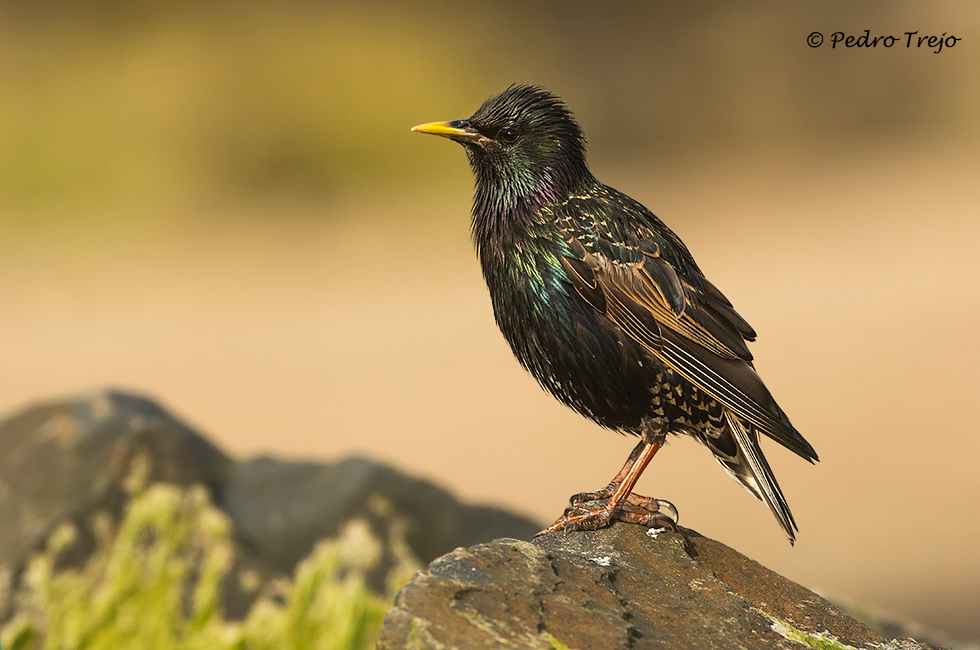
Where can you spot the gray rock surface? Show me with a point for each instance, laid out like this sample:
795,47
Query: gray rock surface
614,588
61,460
281,508
64,461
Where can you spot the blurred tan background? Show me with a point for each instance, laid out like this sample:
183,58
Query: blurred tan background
220,204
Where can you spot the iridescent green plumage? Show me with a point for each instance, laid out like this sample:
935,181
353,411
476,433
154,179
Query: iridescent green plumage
604,305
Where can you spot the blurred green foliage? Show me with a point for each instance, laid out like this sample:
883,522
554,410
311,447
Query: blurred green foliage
190,104
114,104
156,583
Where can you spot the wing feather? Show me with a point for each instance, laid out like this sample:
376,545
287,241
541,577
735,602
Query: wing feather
686,322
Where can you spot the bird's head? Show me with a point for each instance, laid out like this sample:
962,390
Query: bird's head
523,144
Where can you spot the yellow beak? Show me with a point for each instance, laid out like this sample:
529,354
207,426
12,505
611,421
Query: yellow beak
458,130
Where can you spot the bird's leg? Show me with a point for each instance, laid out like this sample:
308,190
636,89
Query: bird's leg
619,491
649,504
606,492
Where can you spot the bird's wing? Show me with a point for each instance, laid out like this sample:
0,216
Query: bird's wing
681,318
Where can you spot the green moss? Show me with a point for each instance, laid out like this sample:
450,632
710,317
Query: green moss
155,582
555,643
821,641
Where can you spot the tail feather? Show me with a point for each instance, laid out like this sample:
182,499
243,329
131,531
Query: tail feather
749,467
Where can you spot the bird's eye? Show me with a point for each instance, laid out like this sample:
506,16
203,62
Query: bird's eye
508,135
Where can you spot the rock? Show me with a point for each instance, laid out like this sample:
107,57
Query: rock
614,588
282,508
73,460
64,461
67,461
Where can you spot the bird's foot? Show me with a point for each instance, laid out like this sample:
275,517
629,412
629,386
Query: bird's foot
648,504
650,512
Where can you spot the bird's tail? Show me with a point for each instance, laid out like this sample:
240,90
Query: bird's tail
749,467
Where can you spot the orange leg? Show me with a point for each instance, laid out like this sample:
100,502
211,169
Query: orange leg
619,492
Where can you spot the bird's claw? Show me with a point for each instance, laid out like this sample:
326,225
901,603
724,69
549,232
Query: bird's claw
659,507
585,497
579,519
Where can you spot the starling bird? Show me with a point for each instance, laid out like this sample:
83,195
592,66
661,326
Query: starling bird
603,304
